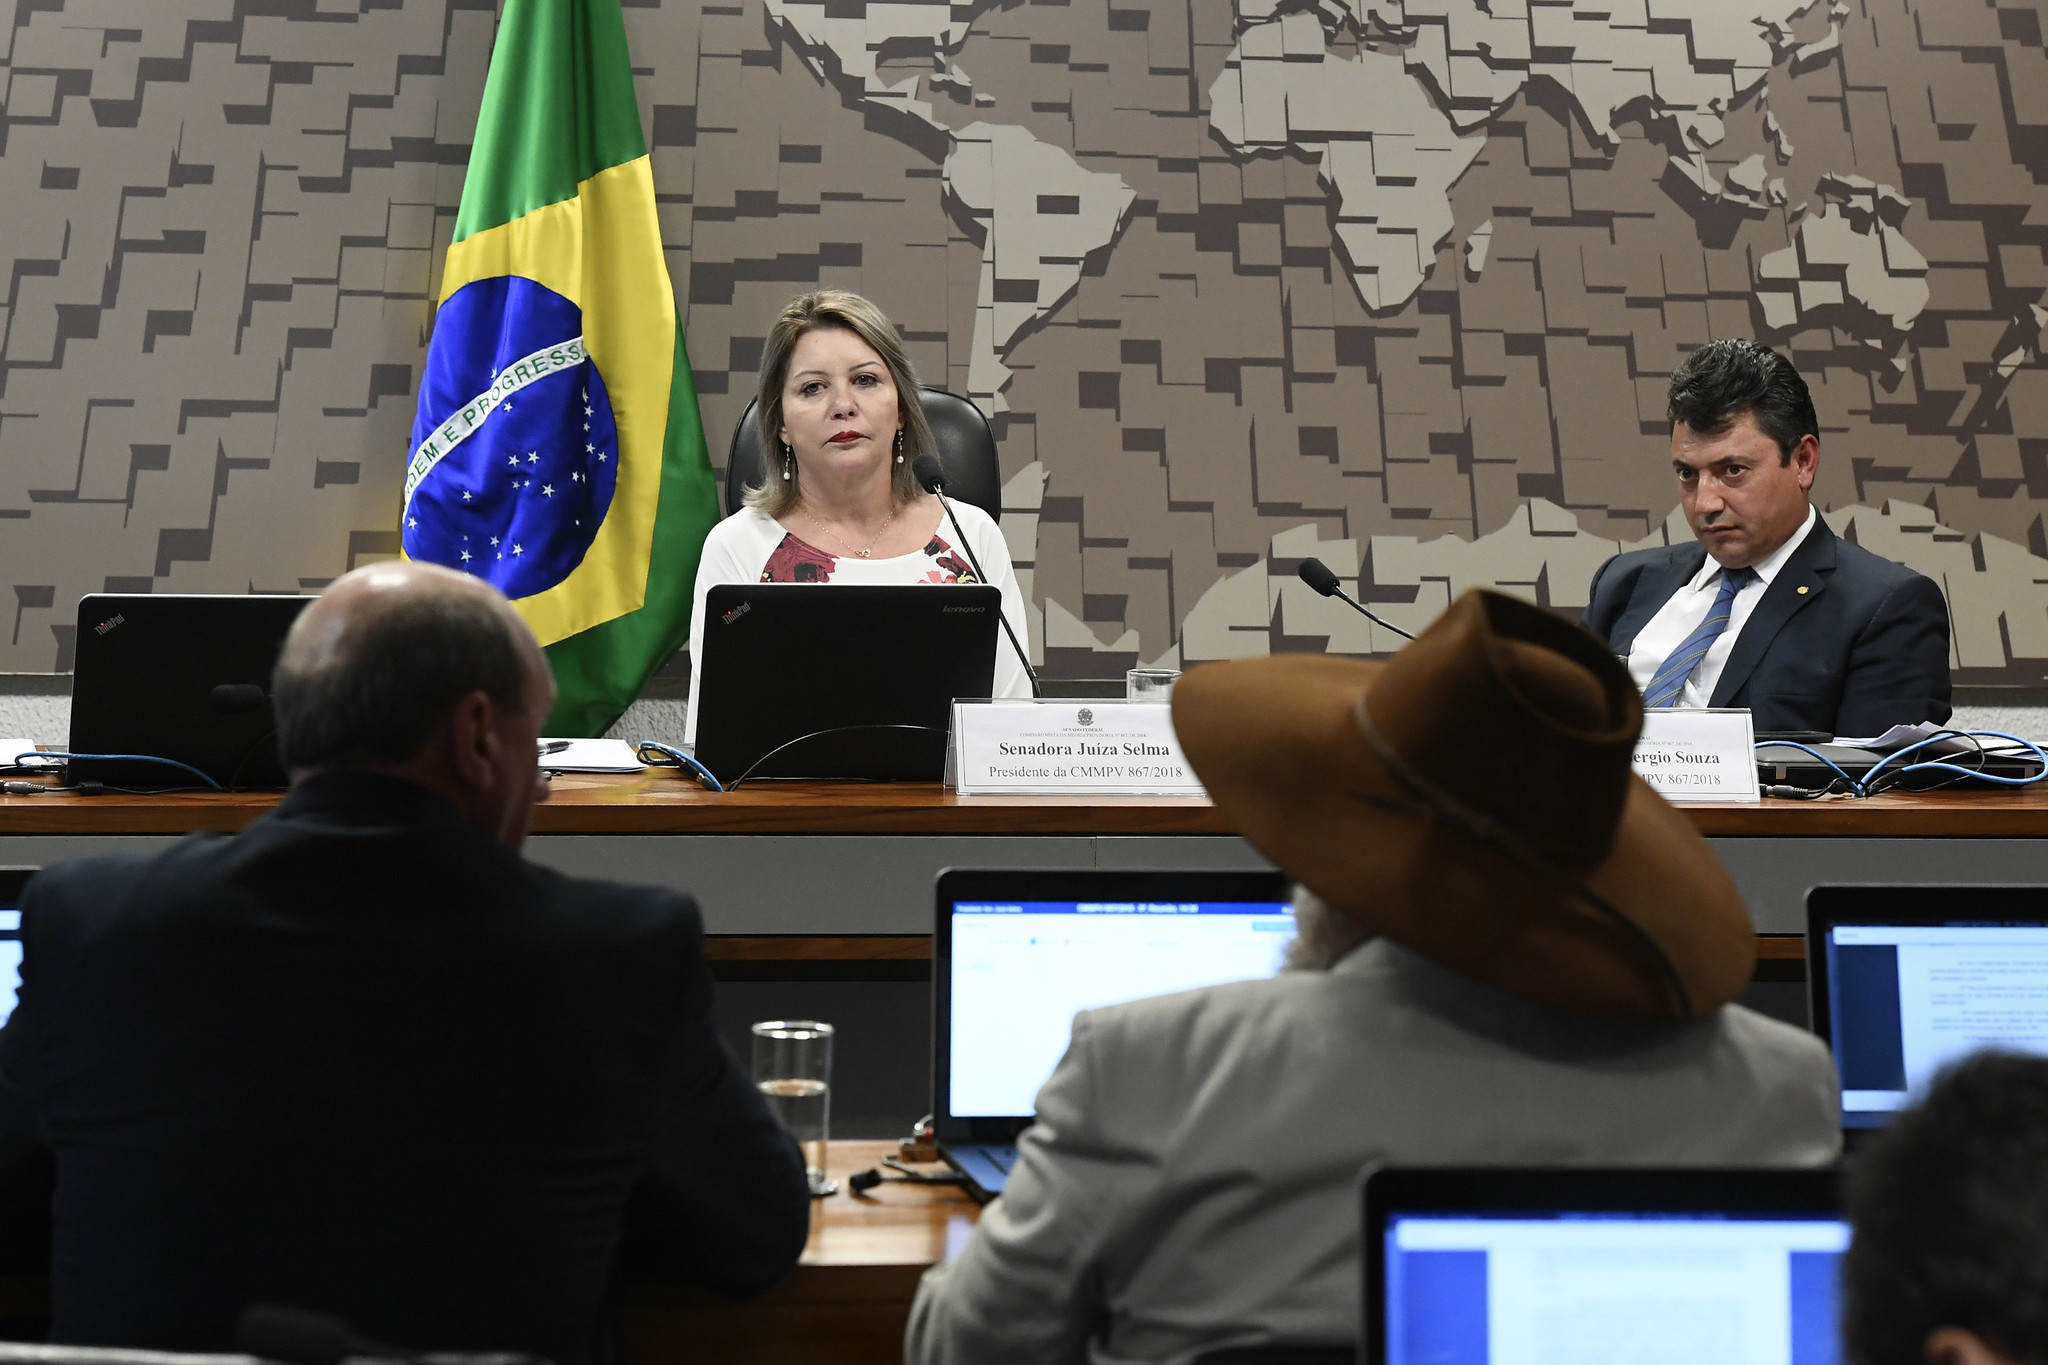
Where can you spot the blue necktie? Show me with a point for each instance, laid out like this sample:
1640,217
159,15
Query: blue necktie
1669,681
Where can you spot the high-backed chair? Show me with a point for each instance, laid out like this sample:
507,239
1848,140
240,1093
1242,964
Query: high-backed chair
966,450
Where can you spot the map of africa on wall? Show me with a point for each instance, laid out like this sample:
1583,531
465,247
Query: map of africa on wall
1395,283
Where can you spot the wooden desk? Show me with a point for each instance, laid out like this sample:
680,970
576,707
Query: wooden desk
845,1303
820,860
661,803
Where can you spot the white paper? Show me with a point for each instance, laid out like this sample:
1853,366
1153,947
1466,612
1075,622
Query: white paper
1105,747
589,756
1899,736
1698,755
10,749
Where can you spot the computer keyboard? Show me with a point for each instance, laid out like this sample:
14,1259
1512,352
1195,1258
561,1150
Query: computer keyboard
1003,1157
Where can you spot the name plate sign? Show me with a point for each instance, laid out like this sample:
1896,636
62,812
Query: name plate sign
1698,755
1106,748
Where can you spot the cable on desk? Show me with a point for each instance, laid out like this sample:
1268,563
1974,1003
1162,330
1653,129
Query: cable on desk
204,781
820,734
667,756
1872,785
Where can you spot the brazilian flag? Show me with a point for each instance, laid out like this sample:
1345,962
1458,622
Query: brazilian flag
557,450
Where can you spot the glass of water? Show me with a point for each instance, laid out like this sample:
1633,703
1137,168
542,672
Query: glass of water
793,1067
1150,684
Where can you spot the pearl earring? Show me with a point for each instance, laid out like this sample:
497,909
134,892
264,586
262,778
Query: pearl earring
899,445
788,460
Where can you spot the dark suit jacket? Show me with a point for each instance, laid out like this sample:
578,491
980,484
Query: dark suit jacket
366,1060
1862,648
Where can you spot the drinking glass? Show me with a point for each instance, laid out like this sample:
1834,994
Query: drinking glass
793,1068
1150,684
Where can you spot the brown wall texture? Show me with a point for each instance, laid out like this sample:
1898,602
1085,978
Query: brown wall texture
1396,284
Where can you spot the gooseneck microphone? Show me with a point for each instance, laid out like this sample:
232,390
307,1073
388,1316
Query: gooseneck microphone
932,475
1317,575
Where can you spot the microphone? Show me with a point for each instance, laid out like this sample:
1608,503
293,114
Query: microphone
932,475
1317,575
234,698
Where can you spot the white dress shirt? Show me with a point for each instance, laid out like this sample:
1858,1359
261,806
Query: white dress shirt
1681,616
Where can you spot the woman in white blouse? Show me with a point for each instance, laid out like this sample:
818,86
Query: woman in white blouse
841,424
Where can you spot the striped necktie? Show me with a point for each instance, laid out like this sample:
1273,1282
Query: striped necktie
1669,682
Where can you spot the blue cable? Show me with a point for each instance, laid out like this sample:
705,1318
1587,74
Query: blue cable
1854,785
1937,765
681,760
123,758
1862,789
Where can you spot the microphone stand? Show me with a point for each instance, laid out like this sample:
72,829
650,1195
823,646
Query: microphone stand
933,478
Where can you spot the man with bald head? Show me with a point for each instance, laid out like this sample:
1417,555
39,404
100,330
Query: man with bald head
363,1058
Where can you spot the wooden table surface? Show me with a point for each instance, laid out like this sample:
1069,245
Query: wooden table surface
659,802
846,1302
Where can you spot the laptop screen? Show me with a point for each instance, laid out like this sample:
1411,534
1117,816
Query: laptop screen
1021,969
1467,1289
1902,1000
12,880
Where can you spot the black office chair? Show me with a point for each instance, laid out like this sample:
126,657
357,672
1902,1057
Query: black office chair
966,450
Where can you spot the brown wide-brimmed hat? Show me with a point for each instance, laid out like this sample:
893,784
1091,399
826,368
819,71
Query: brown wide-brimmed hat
1473,799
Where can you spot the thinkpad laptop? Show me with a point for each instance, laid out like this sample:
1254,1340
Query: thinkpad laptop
1905,979
809,681
1015,955
1738,1267
1815,765
184,678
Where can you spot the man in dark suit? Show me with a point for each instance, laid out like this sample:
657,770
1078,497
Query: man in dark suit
365,1059
1769,609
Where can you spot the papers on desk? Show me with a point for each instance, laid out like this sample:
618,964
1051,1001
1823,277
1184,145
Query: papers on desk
1899,736
588,756
10,749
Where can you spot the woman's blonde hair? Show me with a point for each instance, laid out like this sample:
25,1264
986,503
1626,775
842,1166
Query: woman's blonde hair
778,496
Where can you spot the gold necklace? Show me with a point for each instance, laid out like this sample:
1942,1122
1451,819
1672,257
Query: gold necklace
869,552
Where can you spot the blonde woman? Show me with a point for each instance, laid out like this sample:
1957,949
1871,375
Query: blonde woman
841,426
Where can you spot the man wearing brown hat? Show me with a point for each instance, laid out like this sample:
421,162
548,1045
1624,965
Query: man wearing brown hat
1549,954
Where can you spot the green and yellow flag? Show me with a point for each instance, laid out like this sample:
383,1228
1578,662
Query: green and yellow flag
557,450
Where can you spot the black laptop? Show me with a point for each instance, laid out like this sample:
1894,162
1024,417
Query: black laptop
1471,1264
1015,955
803,680
184,678
1905,979
12,880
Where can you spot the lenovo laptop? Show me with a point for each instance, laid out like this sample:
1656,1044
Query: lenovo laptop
804,680
1738,1267
179,678
1016,954
1904,979
12,881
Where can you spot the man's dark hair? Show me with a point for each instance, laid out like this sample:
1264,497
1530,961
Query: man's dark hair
399,665
1950,1207
1724,379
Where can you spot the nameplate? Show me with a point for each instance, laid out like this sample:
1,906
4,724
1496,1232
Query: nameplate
1698,755
1103,748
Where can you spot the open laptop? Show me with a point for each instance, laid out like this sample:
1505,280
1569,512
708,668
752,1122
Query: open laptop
1904,979
1737,1267
12,880
185,678
1016,954
804,680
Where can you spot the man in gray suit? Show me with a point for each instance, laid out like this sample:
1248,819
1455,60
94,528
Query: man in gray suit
1544,954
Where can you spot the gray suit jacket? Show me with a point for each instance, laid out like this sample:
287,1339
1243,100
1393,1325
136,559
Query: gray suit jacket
1190,1183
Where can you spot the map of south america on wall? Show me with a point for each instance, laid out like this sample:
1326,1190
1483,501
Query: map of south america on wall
1395,283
